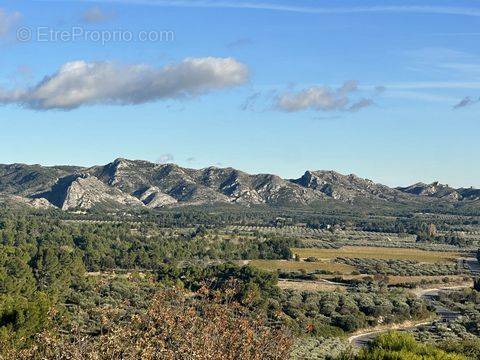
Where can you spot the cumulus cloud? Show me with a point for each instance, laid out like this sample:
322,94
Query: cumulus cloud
7,20
96,15
165,158
468,101
81,83
321,98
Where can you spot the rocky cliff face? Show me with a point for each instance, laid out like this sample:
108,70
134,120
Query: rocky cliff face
346,187
127,183
153,198
86,191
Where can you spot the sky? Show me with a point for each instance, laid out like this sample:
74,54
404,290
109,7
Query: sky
388,90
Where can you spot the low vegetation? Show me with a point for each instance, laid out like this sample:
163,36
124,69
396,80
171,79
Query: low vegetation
403,347
401,267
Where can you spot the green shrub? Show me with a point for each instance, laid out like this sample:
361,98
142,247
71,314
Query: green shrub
401,346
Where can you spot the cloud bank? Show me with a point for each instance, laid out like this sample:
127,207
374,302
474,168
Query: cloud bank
81,83
322,98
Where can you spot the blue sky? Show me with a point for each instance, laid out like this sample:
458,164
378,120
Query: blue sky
387,90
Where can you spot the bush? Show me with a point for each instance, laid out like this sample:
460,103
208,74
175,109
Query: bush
470,348
175,327
400,346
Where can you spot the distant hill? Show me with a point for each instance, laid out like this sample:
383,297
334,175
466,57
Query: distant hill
441,191
136,183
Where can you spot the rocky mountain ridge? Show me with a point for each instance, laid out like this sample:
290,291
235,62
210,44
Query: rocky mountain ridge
137,183
441,191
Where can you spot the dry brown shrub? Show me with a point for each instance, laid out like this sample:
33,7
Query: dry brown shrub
175,327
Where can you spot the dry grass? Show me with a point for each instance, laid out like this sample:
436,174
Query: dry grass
378,253
309,286
273,265
395,280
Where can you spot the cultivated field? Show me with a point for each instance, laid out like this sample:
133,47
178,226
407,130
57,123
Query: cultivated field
377,253
274,265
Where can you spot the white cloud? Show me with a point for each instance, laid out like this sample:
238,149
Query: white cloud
95,15
321,98
434,85
82,83
418,96
435,55
281,6
449,62
7,20
469,69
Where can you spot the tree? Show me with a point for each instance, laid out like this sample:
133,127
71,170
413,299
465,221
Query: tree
432,231
21,318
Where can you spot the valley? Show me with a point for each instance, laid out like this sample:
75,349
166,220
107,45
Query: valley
329,280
